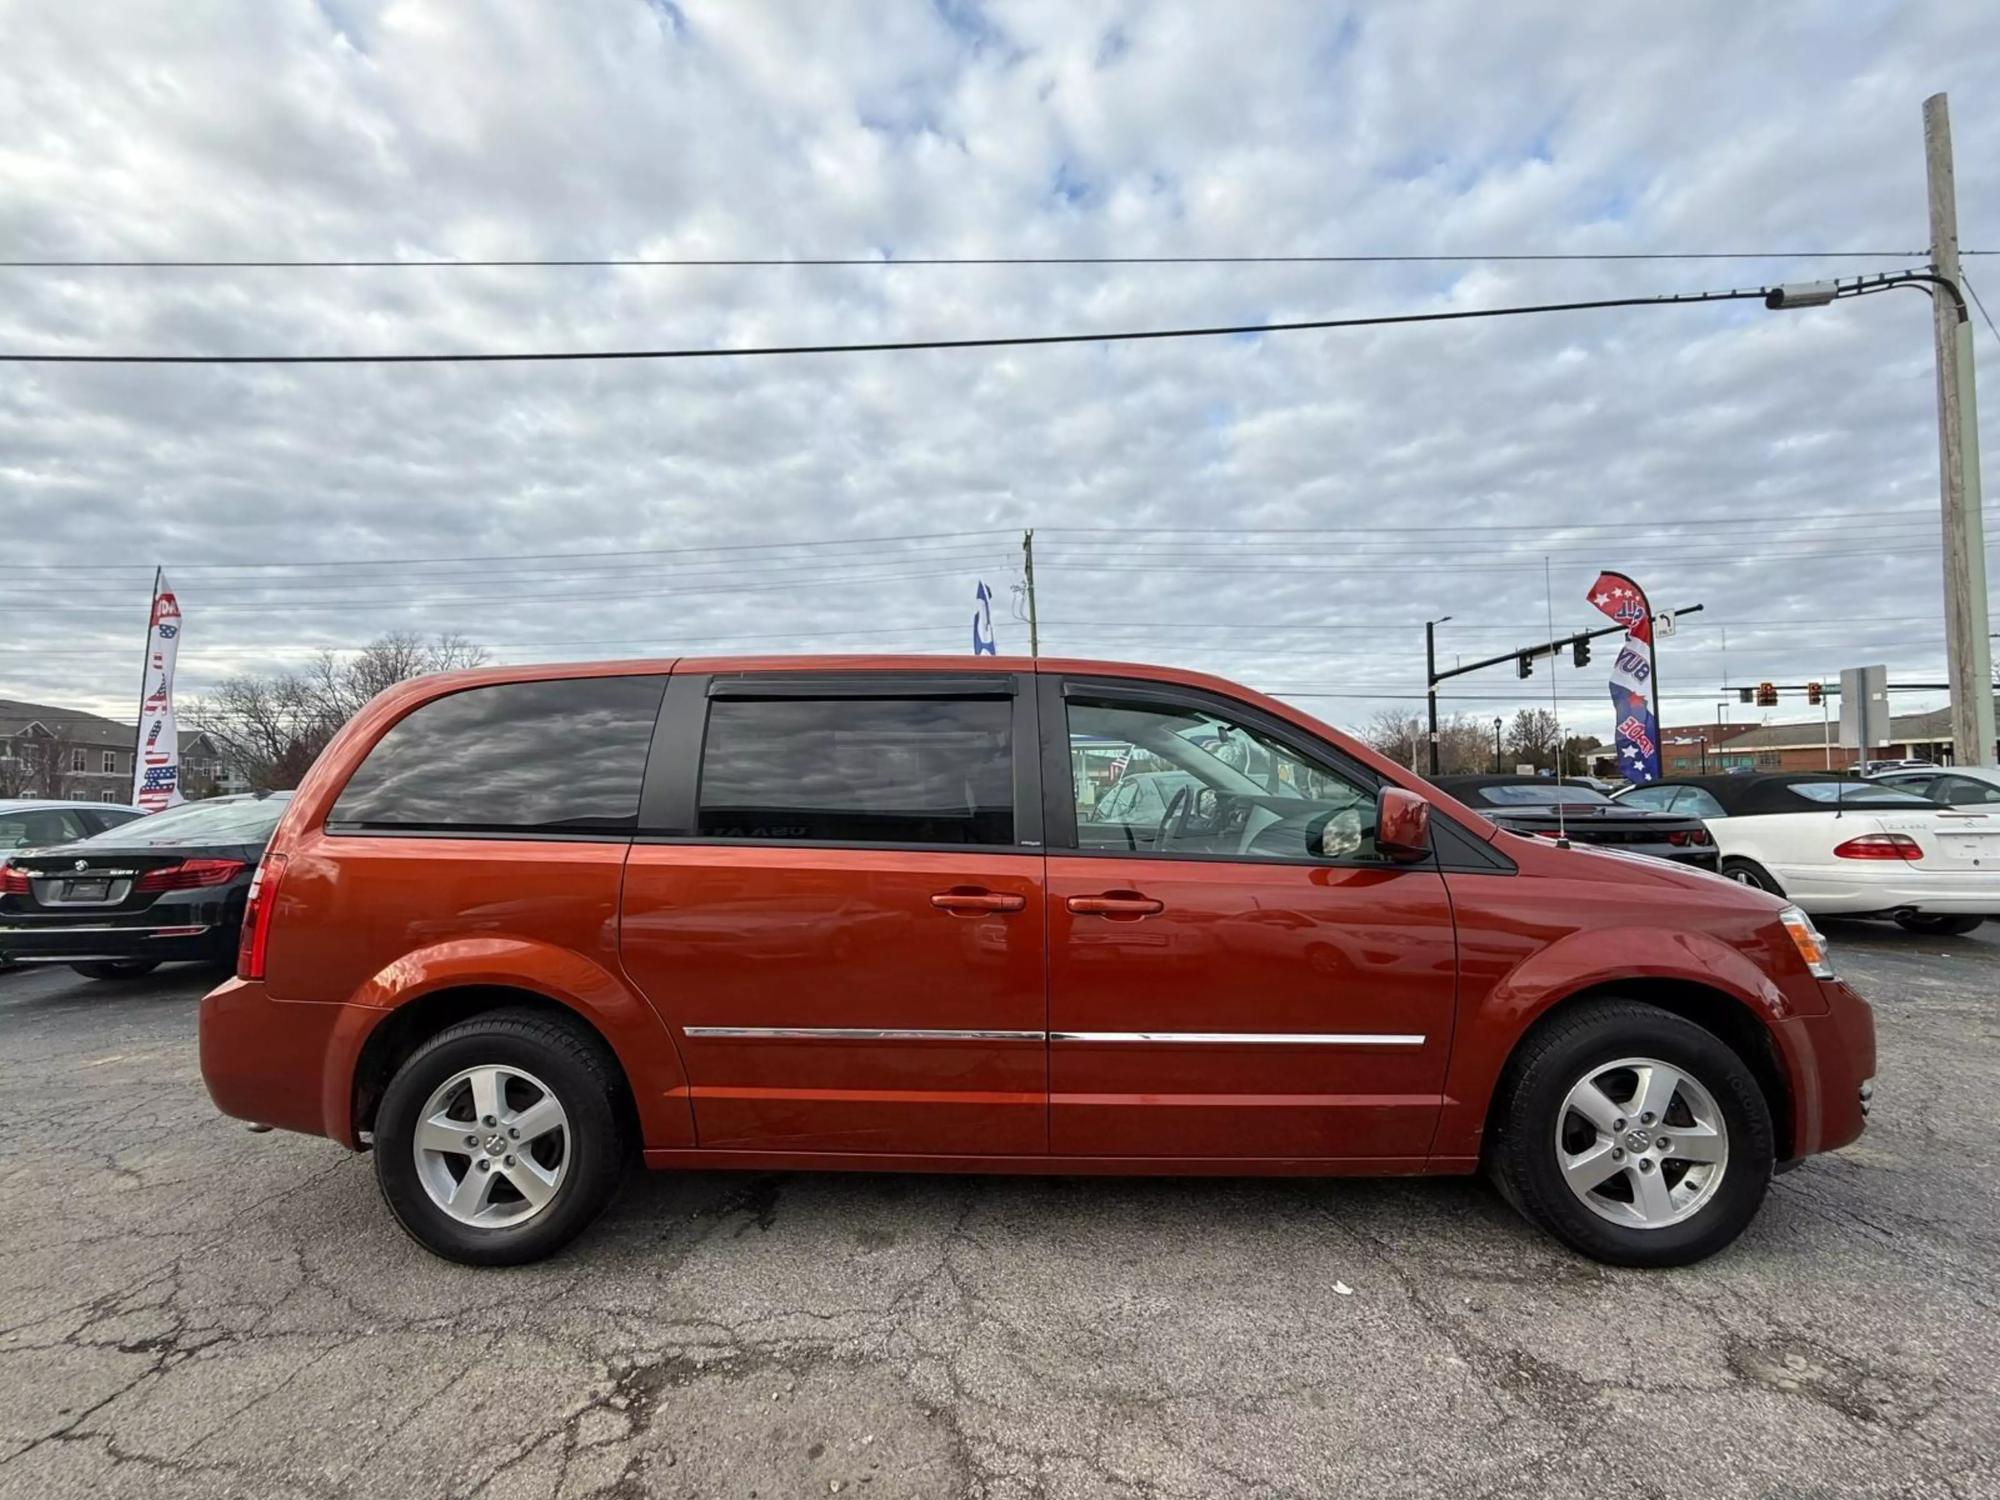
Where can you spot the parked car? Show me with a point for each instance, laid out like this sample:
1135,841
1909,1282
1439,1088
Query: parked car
500,938
29,825
1954,786
1542,808
1877,767
1841,847
117,905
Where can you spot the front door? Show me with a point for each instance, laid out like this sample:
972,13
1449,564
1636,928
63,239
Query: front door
845,926
1237,973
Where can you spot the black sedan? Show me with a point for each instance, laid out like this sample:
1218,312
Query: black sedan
1530,804
167,887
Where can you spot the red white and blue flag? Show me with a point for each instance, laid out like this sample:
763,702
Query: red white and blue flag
156,775
1638,726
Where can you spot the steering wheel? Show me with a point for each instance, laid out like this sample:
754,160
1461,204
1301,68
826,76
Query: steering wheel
1174,822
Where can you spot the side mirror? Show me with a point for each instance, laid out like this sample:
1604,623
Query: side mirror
1402,825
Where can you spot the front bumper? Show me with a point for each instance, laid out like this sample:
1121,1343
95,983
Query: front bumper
1830,1058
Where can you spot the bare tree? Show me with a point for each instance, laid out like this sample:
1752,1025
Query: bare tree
1531,738
40,767
273,727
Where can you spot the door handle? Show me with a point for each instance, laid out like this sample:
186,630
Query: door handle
973,902
1116,904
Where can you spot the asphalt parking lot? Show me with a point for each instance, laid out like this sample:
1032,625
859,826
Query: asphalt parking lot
190,1310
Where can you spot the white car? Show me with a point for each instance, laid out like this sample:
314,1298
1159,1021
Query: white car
1949,786
1839,847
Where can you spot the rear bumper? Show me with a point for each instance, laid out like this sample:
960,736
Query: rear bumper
274,1062
1840,891
50,944
1831,1059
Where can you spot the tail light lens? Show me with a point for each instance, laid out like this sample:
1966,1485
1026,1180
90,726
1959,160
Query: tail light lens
258,906
14,882
1879,846
1678,837
189,874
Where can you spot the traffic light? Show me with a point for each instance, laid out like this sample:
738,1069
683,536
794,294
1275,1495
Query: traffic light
1743,695
1524,664
1579,651
1813,693
1767,695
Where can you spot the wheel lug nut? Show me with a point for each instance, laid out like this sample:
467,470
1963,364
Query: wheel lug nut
513,1132
1645,1166
1665,1145
472,1140
1618,1153
489,1122
1618,1124
484,1164
1647,1118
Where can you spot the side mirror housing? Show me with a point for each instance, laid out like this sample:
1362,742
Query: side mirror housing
1402,826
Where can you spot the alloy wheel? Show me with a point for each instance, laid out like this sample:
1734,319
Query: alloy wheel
1641,1143
492,1146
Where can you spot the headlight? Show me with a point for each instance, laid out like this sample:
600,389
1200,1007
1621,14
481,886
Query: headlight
1807,939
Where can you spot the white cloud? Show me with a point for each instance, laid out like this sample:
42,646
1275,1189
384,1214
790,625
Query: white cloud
711,129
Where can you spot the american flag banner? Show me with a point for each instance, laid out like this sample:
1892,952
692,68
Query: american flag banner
156,770
1633,708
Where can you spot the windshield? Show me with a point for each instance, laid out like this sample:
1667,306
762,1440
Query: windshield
1851,793
1540,796
220,822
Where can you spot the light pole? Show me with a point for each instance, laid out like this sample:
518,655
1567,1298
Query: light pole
1431,683
1497,722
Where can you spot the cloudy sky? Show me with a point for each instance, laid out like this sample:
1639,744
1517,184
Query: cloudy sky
1285,509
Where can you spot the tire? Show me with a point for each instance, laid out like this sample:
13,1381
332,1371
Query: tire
1749,872
1706,1204
530,1054
1938,925
122,968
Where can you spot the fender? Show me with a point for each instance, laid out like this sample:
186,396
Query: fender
1497,1006
557,974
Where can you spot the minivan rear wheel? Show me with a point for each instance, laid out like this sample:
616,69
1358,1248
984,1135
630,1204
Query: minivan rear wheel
1633,1135
500,1138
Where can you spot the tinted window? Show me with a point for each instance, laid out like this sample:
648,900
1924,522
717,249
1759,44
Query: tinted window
1540,796
39,827
1963,791
1159,779
859,770
1701,804
532,757
1658,798
1853,793
229,820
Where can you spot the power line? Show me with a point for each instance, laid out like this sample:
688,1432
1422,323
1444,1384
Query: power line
891,263
811,543
1976,300
893,346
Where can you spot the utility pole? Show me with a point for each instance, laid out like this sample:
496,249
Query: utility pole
1968,648
1431,686
1028,567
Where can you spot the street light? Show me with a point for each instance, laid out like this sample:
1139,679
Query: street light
1497,722
1431,683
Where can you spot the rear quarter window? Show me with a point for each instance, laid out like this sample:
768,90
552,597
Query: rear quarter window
564,756
848,770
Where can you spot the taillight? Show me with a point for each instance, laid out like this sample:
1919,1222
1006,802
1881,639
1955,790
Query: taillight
189,874
1678,837
258,906
1879,846
14,882
1700,836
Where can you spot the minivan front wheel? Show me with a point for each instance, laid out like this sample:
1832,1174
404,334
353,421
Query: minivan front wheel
499,1140
1633,1135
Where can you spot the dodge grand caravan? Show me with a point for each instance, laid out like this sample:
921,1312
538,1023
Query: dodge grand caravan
886,914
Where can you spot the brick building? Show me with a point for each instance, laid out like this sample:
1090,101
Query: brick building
1807,745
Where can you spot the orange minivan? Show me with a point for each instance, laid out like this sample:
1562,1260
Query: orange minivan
1011,916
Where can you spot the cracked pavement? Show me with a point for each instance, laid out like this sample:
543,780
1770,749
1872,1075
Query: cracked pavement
190,1310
